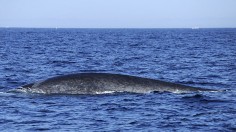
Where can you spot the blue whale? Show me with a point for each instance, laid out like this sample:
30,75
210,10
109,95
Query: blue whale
98,83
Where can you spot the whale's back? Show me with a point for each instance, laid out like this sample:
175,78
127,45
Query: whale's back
93,83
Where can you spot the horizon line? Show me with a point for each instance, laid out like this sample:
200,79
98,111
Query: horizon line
121,27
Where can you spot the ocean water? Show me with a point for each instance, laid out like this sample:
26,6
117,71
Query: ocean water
202,58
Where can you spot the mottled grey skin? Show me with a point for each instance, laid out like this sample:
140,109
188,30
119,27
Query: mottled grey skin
94,83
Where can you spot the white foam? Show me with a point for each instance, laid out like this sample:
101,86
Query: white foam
106,92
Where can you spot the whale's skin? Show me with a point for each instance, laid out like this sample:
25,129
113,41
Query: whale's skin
95,83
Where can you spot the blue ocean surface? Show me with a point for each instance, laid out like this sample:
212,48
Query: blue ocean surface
202,58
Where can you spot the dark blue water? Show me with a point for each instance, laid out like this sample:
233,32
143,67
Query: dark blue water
203,58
